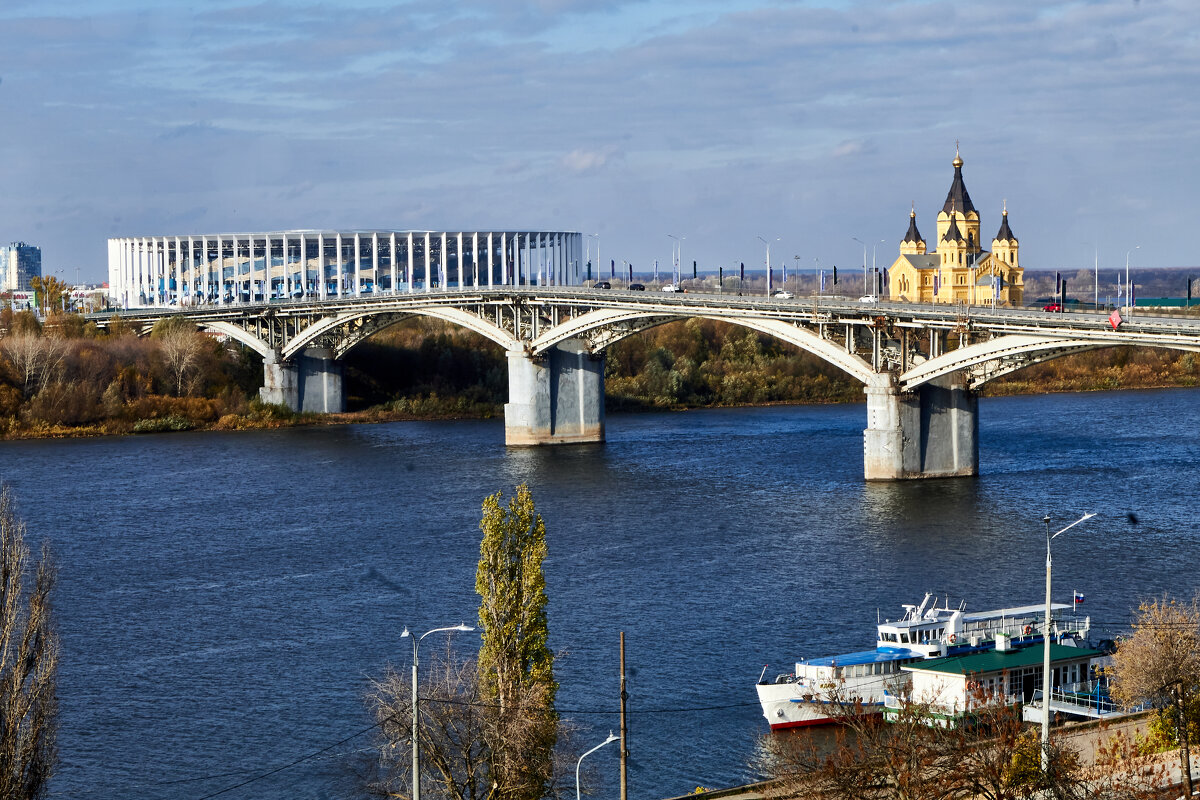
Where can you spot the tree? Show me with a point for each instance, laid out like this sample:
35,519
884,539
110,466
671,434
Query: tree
28,663
52,293
516,665
1160,664
181,345
453,723
488,727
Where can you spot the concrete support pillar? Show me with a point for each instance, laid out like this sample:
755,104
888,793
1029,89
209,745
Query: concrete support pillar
311,381
932,432
555,399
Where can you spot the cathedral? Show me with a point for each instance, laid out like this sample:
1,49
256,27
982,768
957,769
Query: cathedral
960,270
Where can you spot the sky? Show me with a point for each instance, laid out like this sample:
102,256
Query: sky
718,121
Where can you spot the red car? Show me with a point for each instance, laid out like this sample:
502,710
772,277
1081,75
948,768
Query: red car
1052,307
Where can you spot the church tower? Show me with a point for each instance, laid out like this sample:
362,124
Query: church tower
958,213
1005,245
912,243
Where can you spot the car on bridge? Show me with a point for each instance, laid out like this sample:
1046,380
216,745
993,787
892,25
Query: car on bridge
1052,307
602,285
672,287
637,287
783,295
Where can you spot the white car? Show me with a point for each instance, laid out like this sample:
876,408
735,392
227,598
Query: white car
866,298
783,295
672,287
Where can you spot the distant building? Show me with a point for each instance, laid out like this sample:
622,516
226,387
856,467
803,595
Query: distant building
19,262
959,270
318,264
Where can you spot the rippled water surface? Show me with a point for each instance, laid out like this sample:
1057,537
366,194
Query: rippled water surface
225,599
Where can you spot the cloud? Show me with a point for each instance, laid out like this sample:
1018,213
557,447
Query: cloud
584,160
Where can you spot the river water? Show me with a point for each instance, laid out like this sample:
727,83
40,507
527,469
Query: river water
226,598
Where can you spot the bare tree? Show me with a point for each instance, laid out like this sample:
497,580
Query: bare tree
28,663
1160,663
35,358
453,723
181,346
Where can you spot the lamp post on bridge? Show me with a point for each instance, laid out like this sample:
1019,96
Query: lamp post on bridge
676,257
1128,285
611,738
768,244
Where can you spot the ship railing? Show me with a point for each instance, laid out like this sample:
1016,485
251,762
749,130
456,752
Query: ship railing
1016,627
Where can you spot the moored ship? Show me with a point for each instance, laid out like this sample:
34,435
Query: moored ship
821,690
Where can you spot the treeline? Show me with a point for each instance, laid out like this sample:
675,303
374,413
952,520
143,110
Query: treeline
66,377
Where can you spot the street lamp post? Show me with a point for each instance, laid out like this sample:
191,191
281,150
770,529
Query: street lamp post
1046,675
595,236
768,244
416,747
676,259
864,244
1128,285
611,738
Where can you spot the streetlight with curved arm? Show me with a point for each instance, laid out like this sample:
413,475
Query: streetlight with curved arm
768,244
1128,285
611,738
1046,675
416,747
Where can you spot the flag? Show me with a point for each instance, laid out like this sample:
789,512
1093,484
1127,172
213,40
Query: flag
1078,597
1115,318
631,273
589,277
742,274
937,281
656,270
721,277
822,280
693,269
835,274
612,268
1062,296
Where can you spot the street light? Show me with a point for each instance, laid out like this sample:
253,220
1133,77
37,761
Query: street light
864,244
1046,675
1128,285
768,244
677,260
611,738
595,236
416,748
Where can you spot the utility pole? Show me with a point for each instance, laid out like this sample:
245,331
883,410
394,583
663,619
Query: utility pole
624,729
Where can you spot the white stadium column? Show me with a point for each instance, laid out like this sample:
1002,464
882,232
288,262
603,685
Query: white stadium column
503,259
427,265
375,262
444,267
475,259
411,263
341,267
357,264
392,250
489,259
321,265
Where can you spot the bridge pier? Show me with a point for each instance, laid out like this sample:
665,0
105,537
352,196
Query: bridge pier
932,432
555,399
310,381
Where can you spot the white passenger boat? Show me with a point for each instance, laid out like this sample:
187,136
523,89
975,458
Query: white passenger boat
821,690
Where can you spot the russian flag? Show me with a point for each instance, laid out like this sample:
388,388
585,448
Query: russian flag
1078,597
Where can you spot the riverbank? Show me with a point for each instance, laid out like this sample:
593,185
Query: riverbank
71,381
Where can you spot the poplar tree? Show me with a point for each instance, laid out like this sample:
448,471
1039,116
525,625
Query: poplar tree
516,665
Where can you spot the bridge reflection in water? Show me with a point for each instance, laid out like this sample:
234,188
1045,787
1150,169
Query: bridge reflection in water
920,365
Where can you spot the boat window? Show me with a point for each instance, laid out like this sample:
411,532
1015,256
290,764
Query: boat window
904,638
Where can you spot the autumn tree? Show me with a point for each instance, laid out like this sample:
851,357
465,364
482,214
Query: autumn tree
516,665
488,727
1160,664
181,346
28,663
51,292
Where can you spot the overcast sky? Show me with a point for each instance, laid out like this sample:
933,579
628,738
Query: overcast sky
716,120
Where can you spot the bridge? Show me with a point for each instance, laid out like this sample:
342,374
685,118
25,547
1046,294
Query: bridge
920,365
